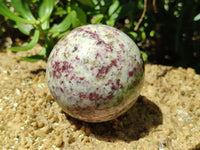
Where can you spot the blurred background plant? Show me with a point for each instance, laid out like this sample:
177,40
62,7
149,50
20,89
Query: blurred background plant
167,31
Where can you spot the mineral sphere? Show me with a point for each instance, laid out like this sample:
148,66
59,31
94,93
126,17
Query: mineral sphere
95,73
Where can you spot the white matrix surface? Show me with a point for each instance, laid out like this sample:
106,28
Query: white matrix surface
95,73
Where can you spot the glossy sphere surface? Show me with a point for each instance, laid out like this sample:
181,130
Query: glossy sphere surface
95,73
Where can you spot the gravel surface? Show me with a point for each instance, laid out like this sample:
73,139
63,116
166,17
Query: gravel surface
165,117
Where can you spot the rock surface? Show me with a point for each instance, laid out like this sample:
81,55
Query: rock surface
95,73
166,116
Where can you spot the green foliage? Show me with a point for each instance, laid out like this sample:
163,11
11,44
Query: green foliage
40,26
7,13
197,17
144,56
30,45
177,29
47,21
169,30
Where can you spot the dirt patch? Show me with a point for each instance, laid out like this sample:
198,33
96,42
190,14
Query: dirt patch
166,115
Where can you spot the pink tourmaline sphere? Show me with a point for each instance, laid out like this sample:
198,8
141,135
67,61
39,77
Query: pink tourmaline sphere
95,73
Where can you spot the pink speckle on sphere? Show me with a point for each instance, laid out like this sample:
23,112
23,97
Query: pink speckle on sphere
95,73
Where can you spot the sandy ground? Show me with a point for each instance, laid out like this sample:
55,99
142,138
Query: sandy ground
165,117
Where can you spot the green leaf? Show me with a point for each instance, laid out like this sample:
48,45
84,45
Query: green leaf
60,11
152,33
30,45
81,16
111,22
65,24
113,7
113,17
74,20
143,35
10,15
45,25
55,34
133,35
25,28
35,58
113,13
197,17
87,2
45,9
22,8
96,19
144,55
60,35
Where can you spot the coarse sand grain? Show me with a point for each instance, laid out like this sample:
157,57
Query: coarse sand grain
165,117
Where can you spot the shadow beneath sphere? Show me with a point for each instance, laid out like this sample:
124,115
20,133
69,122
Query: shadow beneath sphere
134,124
197,147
